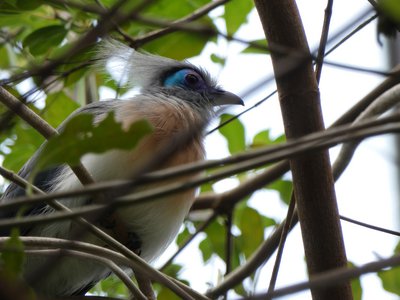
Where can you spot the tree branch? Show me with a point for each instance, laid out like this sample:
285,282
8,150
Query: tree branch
312,175
102,260
334,277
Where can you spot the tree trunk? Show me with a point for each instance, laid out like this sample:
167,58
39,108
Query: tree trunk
312,174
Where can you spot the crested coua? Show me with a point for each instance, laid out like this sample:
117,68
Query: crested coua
175,97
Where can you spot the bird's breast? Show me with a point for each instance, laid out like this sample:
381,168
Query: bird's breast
158,220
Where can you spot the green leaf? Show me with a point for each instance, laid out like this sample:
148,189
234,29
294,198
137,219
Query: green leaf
391,9
19,155
234,133
74,67
240,290
178,45
81,136
173,270
391,280
4,61
356,286
167,294
267,222
397,248
218,59
256,50
284,187
236,14
174,9
45,38
206,250
183,236
214,243
206,187
112,286
13,255
250,223
28,4
58,107
27,141
263,138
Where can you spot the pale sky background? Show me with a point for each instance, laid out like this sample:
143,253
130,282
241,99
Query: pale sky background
365,192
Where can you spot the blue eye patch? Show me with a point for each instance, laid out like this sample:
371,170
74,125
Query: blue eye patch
176,79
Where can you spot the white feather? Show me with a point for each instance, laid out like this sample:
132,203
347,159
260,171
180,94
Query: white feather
140,69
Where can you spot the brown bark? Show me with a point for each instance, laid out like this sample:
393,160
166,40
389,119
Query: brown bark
301,110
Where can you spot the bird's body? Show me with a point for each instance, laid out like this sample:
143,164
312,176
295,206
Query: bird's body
171,106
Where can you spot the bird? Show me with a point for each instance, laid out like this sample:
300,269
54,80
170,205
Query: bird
175,96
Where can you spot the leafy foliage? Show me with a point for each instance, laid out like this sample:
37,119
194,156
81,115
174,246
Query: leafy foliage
260,44
234,134
54,34
390,278
251,225
13,255
356,286
236,14
25,140
82,136
113,286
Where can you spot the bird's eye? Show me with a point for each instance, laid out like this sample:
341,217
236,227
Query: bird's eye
191,79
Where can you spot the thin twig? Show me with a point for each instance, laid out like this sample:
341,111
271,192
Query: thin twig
229,242
287,224
176,25
370,226
384,103
332,278
119,257
200,229
323,40
103,260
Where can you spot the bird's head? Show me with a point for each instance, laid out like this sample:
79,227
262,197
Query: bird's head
181,79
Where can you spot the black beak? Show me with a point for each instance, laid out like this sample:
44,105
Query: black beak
221,97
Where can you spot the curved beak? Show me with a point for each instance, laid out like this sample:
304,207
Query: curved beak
221,97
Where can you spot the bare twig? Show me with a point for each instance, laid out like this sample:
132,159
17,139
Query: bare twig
334,277
201,228
370,226
119,257
323,40
102,260
44,128
287,224
18,180
384,103
176,25
229,242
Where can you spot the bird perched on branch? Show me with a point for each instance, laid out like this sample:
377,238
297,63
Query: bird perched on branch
178,100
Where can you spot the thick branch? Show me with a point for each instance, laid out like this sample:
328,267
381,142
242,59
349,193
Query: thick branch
312,175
